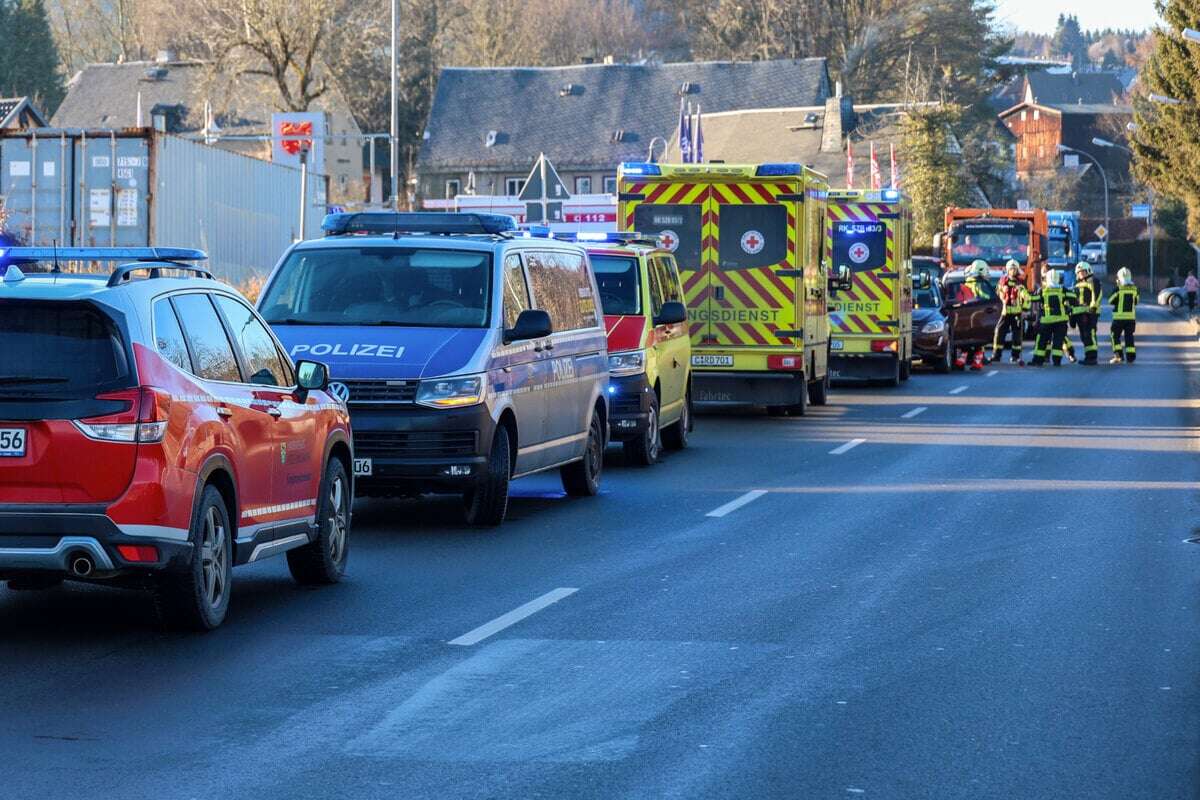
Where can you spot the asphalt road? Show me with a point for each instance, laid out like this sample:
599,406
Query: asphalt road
990,596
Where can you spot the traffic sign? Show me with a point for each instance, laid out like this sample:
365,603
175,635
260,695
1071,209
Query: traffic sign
1101,232
1140,211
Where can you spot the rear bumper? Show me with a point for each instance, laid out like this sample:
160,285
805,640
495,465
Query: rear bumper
862,366
47,538
748,388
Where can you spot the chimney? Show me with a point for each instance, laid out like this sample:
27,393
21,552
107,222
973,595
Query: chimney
839,121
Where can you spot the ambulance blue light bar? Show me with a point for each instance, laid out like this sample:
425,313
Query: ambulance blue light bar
28,255
773,170
890,195
608,237
396,222
640,168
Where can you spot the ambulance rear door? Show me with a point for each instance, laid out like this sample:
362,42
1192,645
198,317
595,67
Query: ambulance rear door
864,237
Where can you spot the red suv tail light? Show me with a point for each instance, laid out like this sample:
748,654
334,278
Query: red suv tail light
138,553
144,418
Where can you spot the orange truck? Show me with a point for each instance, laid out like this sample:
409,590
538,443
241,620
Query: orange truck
994,235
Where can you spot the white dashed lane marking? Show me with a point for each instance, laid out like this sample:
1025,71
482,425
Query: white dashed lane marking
993,372
915,412
847,447
734,505
513,617
958,389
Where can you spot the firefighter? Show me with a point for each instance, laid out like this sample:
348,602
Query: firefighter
1124,303
1068,348
1052,326
1015,299
1085,314
976,287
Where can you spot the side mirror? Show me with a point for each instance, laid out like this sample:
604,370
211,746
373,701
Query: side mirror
673,313
924,281
844,280
310,376
937,244
533,323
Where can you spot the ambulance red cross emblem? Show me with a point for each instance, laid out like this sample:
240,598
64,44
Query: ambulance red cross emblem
753,242
669,240
859,252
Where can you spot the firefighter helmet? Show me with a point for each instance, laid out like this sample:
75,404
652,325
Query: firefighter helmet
979,269
1124,276
1083,268
1053,278
1012,267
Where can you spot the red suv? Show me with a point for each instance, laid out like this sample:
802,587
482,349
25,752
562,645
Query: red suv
154,433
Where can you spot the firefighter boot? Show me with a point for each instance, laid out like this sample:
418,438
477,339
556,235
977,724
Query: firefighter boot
960,358
977,361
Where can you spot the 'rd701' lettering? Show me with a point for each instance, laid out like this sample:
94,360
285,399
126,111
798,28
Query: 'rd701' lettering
376,350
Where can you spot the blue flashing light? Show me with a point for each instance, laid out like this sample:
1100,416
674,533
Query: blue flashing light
416,222
640,168
891,195
609,237
612,390
582,236
25,255
770,170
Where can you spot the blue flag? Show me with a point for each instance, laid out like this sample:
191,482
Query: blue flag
685,134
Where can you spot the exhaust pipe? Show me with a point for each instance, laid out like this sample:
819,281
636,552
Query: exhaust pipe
81,565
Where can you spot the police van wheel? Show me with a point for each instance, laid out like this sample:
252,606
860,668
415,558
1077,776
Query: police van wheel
646,449
818,391
487,502
582,478
676,436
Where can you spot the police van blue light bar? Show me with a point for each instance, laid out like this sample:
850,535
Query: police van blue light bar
396,222
640,168
25,255
608,237
770,170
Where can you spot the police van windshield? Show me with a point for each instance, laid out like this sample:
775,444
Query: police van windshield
381,286
617,277
1060,244
993,241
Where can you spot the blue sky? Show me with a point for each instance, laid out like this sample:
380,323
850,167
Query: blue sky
1040,16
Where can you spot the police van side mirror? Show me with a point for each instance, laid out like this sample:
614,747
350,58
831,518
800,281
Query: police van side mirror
673,313
533,323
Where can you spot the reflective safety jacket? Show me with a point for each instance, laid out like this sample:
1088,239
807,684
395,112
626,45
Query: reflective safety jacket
1124,302
1087,297
1014,296
976,287
1056,303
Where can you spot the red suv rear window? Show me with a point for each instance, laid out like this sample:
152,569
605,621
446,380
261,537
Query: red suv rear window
60,349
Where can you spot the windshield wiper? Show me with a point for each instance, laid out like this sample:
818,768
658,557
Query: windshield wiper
11,380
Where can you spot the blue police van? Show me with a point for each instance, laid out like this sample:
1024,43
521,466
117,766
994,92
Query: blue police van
468,352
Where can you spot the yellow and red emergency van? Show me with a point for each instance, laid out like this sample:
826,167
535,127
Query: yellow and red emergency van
870,323
748,240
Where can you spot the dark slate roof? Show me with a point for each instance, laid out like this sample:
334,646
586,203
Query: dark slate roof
532,112
105,96
1087,88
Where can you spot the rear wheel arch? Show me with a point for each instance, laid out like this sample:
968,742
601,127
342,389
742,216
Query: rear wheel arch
218,472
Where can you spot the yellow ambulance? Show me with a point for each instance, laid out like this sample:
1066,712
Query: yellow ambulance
870,233
748,240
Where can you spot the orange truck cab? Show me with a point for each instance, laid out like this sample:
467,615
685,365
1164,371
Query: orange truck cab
994,235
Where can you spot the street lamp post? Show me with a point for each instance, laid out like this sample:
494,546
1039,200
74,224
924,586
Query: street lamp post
1062,148
1150,206
394,139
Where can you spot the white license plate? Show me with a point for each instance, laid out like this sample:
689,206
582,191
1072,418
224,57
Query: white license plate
12,442
362,466
836,344
712,361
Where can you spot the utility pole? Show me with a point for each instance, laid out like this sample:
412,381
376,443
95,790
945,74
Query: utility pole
394,139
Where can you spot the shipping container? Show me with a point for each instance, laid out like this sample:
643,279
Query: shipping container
142,187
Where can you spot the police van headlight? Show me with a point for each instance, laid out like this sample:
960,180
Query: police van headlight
451,392
934,326
631,363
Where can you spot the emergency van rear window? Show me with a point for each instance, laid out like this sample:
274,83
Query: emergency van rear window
860,246
752,236
60,350
400,286
617,277
678,229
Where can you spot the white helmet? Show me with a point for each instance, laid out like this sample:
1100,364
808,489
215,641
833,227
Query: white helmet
1053,278
1124,276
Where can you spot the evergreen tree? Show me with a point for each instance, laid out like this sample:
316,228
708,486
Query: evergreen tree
1165,147
29,63
1069,41
934,174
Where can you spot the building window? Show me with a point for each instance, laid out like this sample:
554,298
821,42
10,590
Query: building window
453,188
583,184
1022,116
513,186
1037,114
610,184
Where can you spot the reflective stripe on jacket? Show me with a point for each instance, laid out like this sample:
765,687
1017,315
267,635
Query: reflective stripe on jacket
1124,302
1087,297
1055,302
